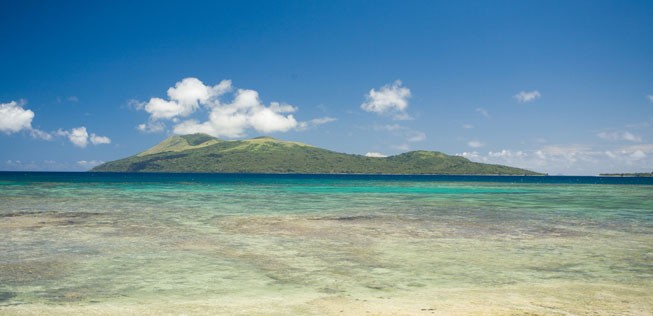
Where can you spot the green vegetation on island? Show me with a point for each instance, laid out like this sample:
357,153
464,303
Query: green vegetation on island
639,174
204,153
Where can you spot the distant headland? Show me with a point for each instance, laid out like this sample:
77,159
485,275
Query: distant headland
638,174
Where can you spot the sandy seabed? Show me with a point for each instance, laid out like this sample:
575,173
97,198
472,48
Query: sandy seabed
84,250
564,300
271,245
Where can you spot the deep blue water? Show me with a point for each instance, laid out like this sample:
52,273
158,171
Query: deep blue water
109,177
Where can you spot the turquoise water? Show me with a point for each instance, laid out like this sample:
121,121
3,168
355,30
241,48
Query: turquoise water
82,243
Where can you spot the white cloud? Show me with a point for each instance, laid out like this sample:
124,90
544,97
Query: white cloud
473,155
151,127
135,104
632,154
79,137
483,112
268,120
375,155
475,144
48,165
184,98
617,136
524,97
468,126
190,92
315,122
21,165
40,134
389,100
507,154
650,97
193,126
245,112
572,159
13,118
230,119
99,140
162,109
73,98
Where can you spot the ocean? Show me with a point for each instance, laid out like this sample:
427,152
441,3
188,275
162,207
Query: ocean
243,244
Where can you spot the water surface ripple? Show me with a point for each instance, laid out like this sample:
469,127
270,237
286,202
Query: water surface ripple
205,244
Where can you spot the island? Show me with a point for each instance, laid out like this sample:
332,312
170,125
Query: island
638,174
207,154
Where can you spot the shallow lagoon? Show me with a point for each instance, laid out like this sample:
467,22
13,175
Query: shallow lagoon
82,243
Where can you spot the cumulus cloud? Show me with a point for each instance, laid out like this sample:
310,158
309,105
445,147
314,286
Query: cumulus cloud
13,118
99,140
375,155
191,92
184,98
162,109
79,137
524,97
475,144
391,100
245,112
225,119
618,136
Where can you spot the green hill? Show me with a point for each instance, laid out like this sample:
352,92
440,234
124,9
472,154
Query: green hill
203,153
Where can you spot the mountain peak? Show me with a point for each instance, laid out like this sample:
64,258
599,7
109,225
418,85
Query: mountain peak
197,138
265,137
178,143
271,140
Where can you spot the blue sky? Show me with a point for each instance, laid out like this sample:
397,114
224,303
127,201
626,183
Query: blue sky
563,87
